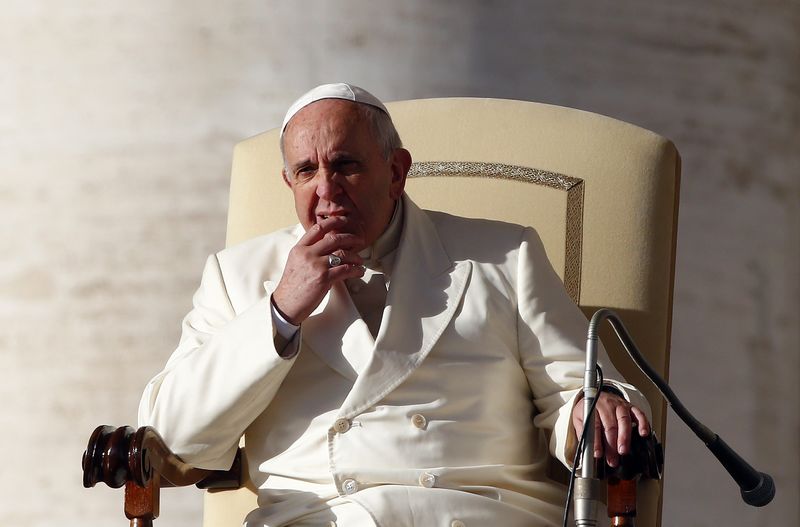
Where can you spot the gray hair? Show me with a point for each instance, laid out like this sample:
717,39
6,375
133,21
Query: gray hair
382,128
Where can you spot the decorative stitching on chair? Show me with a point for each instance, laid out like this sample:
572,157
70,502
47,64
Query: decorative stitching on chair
573,186
573,250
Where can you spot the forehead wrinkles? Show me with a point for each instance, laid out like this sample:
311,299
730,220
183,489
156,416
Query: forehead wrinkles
323,127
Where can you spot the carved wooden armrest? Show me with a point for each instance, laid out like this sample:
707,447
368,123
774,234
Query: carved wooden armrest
141,461
645,461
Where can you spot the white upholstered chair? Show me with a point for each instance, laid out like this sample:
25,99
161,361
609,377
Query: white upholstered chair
602,194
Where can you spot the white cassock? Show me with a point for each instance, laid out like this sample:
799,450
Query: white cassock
449,416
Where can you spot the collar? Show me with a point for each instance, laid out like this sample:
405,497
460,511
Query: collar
380,255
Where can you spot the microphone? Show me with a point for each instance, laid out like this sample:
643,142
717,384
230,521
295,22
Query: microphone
587,486
757,488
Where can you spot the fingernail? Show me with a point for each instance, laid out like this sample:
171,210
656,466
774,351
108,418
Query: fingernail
622,450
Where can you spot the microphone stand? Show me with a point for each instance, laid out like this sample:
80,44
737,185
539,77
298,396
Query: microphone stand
757,488
587,485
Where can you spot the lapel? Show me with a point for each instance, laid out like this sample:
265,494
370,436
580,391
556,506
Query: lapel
426,289
335,331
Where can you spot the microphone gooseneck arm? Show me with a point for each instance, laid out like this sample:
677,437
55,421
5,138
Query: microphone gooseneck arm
757,488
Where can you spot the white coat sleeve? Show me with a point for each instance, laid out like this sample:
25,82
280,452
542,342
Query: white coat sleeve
552,338
223,374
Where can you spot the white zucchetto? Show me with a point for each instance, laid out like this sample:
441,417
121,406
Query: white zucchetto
339,90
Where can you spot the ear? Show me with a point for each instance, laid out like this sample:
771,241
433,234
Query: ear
401,164
285,178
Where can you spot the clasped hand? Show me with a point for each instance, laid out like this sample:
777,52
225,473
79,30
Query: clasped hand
614,417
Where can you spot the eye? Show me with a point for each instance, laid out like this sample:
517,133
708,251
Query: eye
304,172
347,165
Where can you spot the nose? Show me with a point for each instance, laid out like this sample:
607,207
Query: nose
328,186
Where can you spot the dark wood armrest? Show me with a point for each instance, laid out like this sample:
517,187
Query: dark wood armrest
646,461
140,460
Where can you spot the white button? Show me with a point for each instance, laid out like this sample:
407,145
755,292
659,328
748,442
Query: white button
457,523
419,421
331,523
341,426
350,486
427,480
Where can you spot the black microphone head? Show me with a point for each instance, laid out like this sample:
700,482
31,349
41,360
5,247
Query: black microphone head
762,493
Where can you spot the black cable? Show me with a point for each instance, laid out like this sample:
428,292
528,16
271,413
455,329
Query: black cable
581,442
758,488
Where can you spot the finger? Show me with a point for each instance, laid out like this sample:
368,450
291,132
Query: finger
609,420
344,259
345,271
641,418
623,429
318,230
335,241
348,257
598,436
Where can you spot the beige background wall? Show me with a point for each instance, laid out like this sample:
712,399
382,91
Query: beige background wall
117,121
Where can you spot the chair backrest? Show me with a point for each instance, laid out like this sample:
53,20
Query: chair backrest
601,193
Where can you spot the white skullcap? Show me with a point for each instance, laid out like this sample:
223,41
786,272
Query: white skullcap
338,90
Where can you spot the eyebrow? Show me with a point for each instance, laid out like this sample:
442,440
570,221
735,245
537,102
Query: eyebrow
300,164
335,157
338,157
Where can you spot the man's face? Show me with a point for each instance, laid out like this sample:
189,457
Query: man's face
335,167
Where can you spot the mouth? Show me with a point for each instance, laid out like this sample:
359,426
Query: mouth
348,221
332,214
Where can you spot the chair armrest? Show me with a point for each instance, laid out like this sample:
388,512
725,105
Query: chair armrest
646,461
116,456
140,460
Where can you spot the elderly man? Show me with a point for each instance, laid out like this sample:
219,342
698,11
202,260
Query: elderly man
388,366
